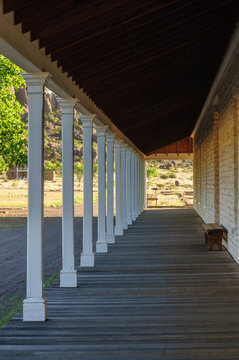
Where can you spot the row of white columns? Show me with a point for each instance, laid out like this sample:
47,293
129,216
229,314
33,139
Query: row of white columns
129,194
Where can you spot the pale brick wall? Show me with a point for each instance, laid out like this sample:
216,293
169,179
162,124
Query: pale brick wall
204,164
203,171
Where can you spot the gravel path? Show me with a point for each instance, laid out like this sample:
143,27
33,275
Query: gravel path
13,243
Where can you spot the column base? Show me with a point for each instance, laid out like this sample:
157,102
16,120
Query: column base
129,221
101,247
68,278
125,225
34,309
133,217
118,230
110,239
87,260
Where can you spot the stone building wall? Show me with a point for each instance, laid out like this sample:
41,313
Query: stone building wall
216,179
204,171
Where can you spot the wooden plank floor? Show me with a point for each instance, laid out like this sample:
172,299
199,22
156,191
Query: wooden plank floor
158,294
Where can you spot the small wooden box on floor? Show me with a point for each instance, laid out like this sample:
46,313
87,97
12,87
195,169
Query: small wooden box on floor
213,235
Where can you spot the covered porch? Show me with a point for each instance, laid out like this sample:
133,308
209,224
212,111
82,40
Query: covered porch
158,294
145,76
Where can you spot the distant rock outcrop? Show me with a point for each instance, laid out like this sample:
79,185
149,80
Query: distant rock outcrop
53,143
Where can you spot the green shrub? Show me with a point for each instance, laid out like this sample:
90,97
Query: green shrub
78,170
172,176
94,170
163,176
50,166
151,172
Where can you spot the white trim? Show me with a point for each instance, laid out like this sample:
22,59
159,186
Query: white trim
172,156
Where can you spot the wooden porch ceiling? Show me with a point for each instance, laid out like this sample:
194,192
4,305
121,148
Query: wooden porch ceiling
148,64
178,147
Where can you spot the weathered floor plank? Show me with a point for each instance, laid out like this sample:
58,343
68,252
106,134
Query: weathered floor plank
158,294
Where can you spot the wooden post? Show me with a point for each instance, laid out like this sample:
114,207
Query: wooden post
68,275
87,255
35,306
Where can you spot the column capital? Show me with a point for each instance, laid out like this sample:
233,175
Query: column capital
123,147
118,143
35,78
110,136
100,130
67,104
87,120
128,150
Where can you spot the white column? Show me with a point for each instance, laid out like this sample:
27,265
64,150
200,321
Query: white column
140,186
137,185
118,217
110,237
123,186
137,172
101,244
68,274
87,255
133,186
34,306
128,187
145,184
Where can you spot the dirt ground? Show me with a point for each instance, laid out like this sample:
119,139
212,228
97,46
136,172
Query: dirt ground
13,201
13,243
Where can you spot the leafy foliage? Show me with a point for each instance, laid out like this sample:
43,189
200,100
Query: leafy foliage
50,166
13,135
78,170
94,170
151,172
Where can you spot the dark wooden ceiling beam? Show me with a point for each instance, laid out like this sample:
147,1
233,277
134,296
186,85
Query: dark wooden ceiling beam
122,28
164,108
97,24
131,66
141,44
169,104
76,12
168,76
172,23
76,40
11,5
42,11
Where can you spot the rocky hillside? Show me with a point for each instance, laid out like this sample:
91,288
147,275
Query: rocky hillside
52,142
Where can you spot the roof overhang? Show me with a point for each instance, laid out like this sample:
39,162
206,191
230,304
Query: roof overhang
171,156
143,67
26,54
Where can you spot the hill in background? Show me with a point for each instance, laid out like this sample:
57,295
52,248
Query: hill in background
53,123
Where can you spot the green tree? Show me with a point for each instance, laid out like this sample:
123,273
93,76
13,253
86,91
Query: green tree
94,170
50,166
13,135
151,172
78,170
